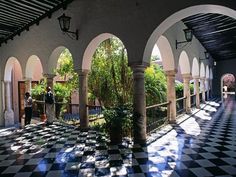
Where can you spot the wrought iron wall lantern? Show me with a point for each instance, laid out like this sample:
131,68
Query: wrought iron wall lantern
188,33
64,22
207,56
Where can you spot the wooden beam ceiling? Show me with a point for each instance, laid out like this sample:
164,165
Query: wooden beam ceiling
18,15
216,32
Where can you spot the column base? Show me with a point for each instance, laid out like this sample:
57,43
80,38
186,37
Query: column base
140,142
9,118
172,121
188,111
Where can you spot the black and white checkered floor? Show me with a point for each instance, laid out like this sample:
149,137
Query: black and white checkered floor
202,145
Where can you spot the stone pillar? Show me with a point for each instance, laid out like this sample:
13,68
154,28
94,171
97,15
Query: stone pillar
207,88
49,78
8,113
203,89
83,99
49,83
139,104
210,87
28,85
186,78
171,95
196,88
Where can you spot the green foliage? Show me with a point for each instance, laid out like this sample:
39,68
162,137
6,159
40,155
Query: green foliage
155,85
179,88
61,91
191,87
110,79
38,90
118,117
65,69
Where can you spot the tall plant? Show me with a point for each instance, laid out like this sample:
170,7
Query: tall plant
110,79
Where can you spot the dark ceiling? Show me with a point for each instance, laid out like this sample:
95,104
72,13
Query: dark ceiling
18,15
216,32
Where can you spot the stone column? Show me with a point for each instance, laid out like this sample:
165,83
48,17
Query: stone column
171,95
49,78
8,113
49,83
208,87
139,104
83,99
186,78
203,89
28,85
196,88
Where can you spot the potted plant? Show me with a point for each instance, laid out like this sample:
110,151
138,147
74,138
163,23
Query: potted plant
62,98
118,122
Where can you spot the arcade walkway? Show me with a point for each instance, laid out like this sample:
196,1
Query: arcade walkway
202,145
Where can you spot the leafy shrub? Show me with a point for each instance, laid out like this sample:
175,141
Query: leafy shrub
118,117
179,88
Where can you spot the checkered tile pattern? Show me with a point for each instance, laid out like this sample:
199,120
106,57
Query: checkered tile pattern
201,145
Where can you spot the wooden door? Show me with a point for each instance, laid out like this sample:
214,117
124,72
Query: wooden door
21,95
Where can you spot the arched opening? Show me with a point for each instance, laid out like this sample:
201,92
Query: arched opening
195,74
166,53
227,86
202,82
195,68
62,78
207,82
183,77
33,75
12,74
66,88
109,83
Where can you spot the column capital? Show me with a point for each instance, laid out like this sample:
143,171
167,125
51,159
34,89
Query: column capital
171,72
7,82
196,77
49,75
27,78
138,68
202,78
81,71
187,76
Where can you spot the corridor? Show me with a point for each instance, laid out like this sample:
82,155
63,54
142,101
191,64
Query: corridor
201,145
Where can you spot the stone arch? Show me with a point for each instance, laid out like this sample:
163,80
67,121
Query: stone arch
184,63
195,68
53,59
207,72
9,66
210,73
178,16
166,53
202,70
12,74
91,48
207,78
33,66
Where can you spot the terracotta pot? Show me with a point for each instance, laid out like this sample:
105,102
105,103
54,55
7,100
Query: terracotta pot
43,117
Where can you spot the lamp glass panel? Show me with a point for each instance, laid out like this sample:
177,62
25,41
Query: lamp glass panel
207,55
64,22
188,34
